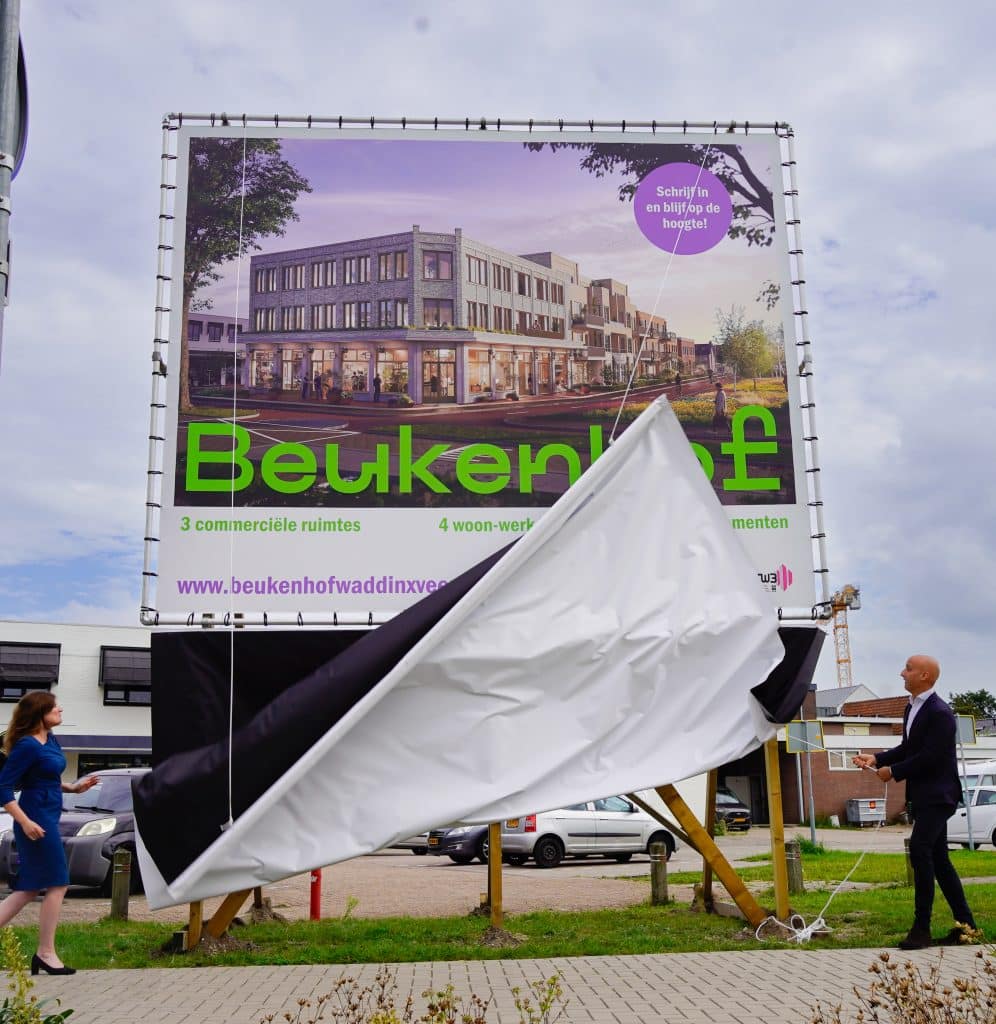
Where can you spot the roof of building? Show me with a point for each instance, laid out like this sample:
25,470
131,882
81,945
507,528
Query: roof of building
834,698
881,707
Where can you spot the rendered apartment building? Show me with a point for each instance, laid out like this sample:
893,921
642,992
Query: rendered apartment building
215,358
442,318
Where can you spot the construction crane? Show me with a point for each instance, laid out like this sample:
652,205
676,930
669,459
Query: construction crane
848,597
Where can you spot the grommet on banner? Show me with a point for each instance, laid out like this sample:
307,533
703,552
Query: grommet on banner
684,127
309,120
746,127
370,618
266,619
190,619
179,120
484,124
466,124
212,120
276,120
243,120
300,619
624,124
530,124
653,126
340,121
591,126
225,123
371,122
715,127
404,123
498,125
227,620
435,124
335,618
560,121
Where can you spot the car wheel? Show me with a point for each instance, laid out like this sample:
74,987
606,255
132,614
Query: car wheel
662,837
420,851
622,858
548,852
461,858
516,859
482,849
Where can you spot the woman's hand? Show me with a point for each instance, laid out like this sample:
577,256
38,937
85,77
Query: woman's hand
88,783
32,829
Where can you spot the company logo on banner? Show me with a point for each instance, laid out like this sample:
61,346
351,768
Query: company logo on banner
420,340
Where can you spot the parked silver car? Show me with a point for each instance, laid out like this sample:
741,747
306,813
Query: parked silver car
612,827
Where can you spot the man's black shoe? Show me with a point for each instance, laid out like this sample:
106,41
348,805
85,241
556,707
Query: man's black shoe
916,938
961,935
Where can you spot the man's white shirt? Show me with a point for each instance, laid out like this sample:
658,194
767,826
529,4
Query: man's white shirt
915,704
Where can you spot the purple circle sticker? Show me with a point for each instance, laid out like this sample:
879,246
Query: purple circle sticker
683,209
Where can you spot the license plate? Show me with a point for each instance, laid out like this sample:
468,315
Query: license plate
512,823
739,821
433,841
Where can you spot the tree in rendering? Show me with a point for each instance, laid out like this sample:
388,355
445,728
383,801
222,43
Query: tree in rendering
745,344
221,225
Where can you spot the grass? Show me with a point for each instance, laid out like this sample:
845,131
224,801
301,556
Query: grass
833,866
866,918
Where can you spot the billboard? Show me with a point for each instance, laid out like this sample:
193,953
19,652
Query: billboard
398,348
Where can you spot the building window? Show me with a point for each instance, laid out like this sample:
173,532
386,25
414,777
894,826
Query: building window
356,270
557,325
522,282
26,667
322,317
215,331
294,276
292,318
265,319
477,315
364,314
355,369
437,312
265,279
401,265
557,294
323,274
392,365
503,318
126,675
842,760
477,270
437,266
230,330
194,328
401,312
349,314
541,288
385,313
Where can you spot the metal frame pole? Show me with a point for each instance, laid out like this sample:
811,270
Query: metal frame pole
10,15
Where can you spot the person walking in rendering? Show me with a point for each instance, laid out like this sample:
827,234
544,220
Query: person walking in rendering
719,421
34,765
677,381
377,382
926,759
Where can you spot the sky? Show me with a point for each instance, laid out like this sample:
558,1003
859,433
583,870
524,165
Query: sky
891,105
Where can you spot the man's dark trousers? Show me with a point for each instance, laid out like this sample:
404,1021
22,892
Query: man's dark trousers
930,860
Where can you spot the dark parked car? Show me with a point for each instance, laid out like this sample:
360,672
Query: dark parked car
731,810
93,825
461,843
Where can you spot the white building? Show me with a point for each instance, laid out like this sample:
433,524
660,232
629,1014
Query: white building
100,675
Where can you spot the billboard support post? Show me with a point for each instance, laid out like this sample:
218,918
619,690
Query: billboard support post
10,115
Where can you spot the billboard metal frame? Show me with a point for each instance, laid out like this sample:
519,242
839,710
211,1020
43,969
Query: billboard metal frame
163,358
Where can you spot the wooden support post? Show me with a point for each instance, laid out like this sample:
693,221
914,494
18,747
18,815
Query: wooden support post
703,842
658,874
777,825
257,898
793,862
120,884
225,914
195,926
494,875
712,781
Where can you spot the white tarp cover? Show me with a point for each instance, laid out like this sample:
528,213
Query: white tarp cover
611,650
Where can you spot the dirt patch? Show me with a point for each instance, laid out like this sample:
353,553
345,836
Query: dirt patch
498,938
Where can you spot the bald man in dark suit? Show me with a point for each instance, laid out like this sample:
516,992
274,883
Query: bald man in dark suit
927,761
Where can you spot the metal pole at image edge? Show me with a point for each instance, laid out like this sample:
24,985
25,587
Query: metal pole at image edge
12,125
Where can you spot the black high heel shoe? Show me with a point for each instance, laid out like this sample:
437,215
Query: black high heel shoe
37,964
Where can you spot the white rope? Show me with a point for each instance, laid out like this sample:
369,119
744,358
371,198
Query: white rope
660,292
796,925
231,536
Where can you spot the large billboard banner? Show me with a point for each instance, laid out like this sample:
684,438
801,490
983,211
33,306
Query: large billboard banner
392,350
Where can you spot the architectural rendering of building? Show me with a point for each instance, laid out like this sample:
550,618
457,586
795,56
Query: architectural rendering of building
211,340
440,318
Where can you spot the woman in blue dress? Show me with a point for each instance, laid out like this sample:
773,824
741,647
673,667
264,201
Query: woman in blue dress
34,765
